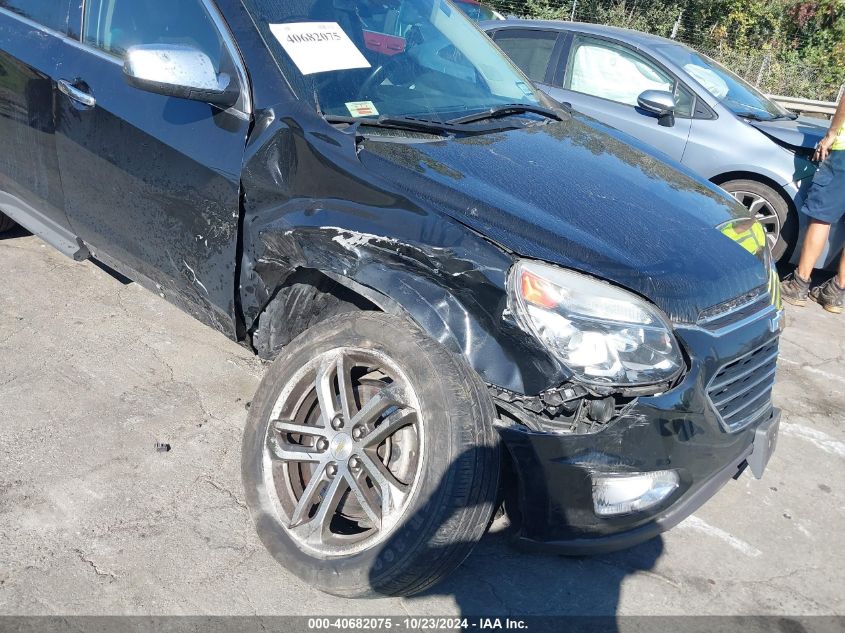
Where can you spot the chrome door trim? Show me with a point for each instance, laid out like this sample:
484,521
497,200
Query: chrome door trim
65,87
234,51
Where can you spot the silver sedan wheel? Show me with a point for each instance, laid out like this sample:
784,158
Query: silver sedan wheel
343,451
763,212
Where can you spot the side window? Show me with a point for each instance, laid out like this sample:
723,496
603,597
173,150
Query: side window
49,13
114,26
684,100
613,72
530,50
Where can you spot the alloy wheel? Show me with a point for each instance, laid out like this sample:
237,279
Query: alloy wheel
343,451
763,211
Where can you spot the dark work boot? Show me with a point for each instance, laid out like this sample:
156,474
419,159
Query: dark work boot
795,290
829,296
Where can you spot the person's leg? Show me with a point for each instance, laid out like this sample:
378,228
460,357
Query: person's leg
831,294
795,288
814,243
840,278
825,204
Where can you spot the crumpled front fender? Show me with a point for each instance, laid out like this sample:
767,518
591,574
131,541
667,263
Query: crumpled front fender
309,204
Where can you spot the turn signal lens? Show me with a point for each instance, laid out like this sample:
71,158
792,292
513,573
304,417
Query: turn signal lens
538,291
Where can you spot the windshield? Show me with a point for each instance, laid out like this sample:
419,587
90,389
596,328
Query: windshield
389,58
476,10
732,91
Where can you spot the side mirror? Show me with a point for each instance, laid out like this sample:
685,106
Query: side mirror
178,71
661,103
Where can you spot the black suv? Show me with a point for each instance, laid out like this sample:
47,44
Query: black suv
474,297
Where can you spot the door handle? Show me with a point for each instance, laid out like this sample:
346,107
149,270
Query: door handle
76,94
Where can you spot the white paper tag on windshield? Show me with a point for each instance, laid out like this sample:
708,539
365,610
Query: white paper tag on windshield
361,108
319,47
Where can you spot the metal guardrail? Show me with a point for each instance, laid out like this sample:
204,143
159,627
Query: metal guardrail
809,106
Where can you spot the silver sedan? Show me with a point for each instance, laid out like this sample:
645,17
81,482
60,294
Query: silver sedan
694,110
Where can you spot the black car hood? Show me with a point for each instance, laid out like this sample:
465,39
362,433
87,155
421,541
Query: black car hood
802,132
572,194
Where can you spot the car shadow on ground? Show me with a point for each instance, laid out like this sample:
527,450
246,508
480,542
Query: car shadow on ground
498,580
14,232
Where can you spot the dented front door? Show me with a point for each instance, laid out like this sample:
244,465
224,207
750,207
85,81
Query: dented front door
152,183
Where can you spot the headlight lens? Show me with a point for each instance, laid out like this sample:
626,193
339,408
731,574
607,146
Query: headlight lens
604,335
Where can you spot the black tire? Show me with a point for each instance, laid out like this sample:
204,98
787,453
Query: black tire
776,209
455,492
298,307
6,223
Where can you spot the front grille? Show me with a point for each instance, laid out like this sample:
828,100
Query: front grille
741,391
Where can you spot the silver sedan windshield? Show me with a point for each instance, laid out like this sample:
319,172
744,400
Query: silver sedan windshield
732,91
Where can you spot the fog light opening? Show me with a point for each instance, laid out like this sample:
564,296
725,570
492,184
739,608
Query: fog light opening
624,494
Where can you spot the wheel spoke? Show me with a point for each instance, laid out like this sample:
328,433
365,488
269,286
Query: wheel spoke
309,495
392,491
325,389
285,426
739,196
389,426
378,404
768,220
312,530
344,383
369,502
756,205
773,240
292,452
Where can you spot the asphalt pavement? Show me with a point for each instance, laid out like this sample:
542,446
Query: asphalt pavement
95,519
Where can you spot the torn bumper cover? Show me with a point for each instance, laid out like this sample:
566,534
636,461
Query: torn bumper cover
653,466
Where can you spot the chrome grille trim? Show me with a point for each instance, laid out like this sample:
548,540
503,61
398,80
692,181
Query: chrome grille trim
724,383
738,313
737,304
725,325
766,376
740,391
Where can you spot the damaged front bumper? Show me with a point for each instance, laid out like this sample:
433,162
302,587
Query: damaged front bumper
681,432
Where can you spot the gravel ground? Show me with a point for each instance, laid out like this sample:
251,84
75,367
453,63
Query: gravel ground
95,520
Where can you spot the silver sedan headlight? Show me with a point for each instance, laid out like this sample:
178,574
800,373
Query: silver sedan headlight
604,335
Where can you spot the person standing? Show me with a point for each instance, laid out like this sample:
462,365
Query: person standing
825,205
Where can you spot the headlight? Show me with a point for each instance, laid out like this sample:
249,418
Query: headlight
604,335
